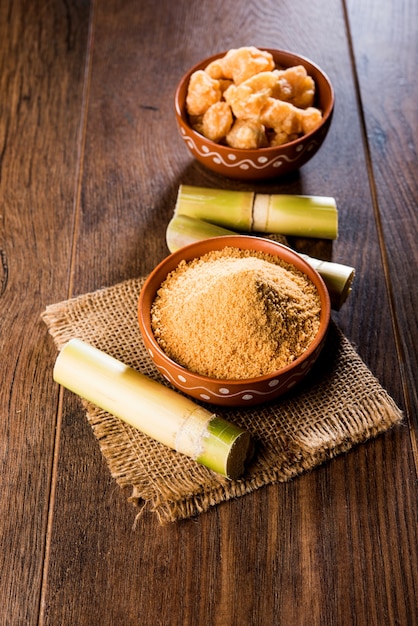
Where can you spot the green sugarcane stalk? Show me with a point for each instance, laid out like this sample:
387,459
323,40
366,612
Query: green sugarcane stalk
246,211
154,409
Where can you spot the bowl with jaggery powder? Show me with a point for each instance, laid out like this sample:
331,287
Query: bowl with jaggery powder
235,320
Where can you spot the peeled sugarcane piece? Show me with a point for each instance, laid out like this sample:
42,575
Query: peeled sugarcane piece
153,408
183,230
245,211
338,278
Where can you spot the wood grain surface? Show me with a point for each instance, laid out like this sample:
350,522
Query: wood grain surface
90,164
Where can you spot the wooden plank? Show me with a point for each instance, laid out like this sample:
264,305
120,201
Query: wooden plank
42,50
385,48
318,550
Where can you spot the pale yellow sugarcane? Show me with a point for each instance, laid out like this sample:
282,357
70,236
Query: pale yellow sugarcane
153,408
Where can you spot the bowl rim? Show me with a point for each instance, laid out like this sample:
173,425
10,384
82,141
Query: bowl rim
247,242
182,115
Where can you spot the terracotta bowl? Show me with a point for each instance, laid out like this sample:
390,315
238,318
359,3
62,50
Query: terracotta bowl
262,163
243,392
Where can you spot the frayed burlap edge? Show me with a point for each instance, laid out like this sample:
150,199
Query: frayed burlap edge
173,486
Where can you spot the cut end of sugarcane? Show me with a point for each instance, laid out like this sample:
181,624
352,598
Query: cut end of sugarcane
345,291
337,277
240,456
226,449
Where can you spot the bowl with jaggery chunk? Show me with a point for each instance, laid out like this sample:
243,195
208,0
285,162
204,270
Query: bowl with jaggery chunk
234,320
254,113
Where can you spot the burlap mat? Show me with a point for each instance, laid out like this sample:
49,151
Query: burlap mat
340,404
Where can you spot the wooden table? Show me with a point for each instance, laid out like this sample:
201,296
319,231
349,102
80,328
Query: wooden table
91,161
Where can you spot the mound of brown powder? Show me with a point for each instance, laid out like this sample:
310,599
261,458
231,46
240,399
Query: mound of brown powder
234,314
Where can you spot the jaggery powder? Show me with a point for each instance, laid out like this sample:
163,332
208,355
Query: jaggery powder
234,314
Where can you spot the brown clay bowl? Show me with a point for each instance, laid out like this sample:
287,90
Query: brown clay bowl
231,392
262,163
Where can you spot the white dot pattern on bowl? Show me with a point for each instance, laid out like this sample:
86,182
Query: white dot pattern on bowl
245,395
259,163
227,396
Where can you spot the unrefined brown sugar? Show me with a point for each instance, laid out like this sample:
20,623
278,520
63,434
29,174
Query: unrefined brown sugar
234,314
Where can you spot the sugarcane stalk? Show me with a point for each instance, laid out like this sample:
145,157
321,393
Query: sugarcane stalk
245,211
232,209
297,216
154,409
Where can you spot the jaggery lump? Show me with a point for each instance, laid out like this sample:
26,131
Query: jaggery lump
234,314
246,83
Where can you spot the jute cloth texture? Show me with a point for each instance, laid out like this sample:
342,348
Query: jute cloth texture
339,405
